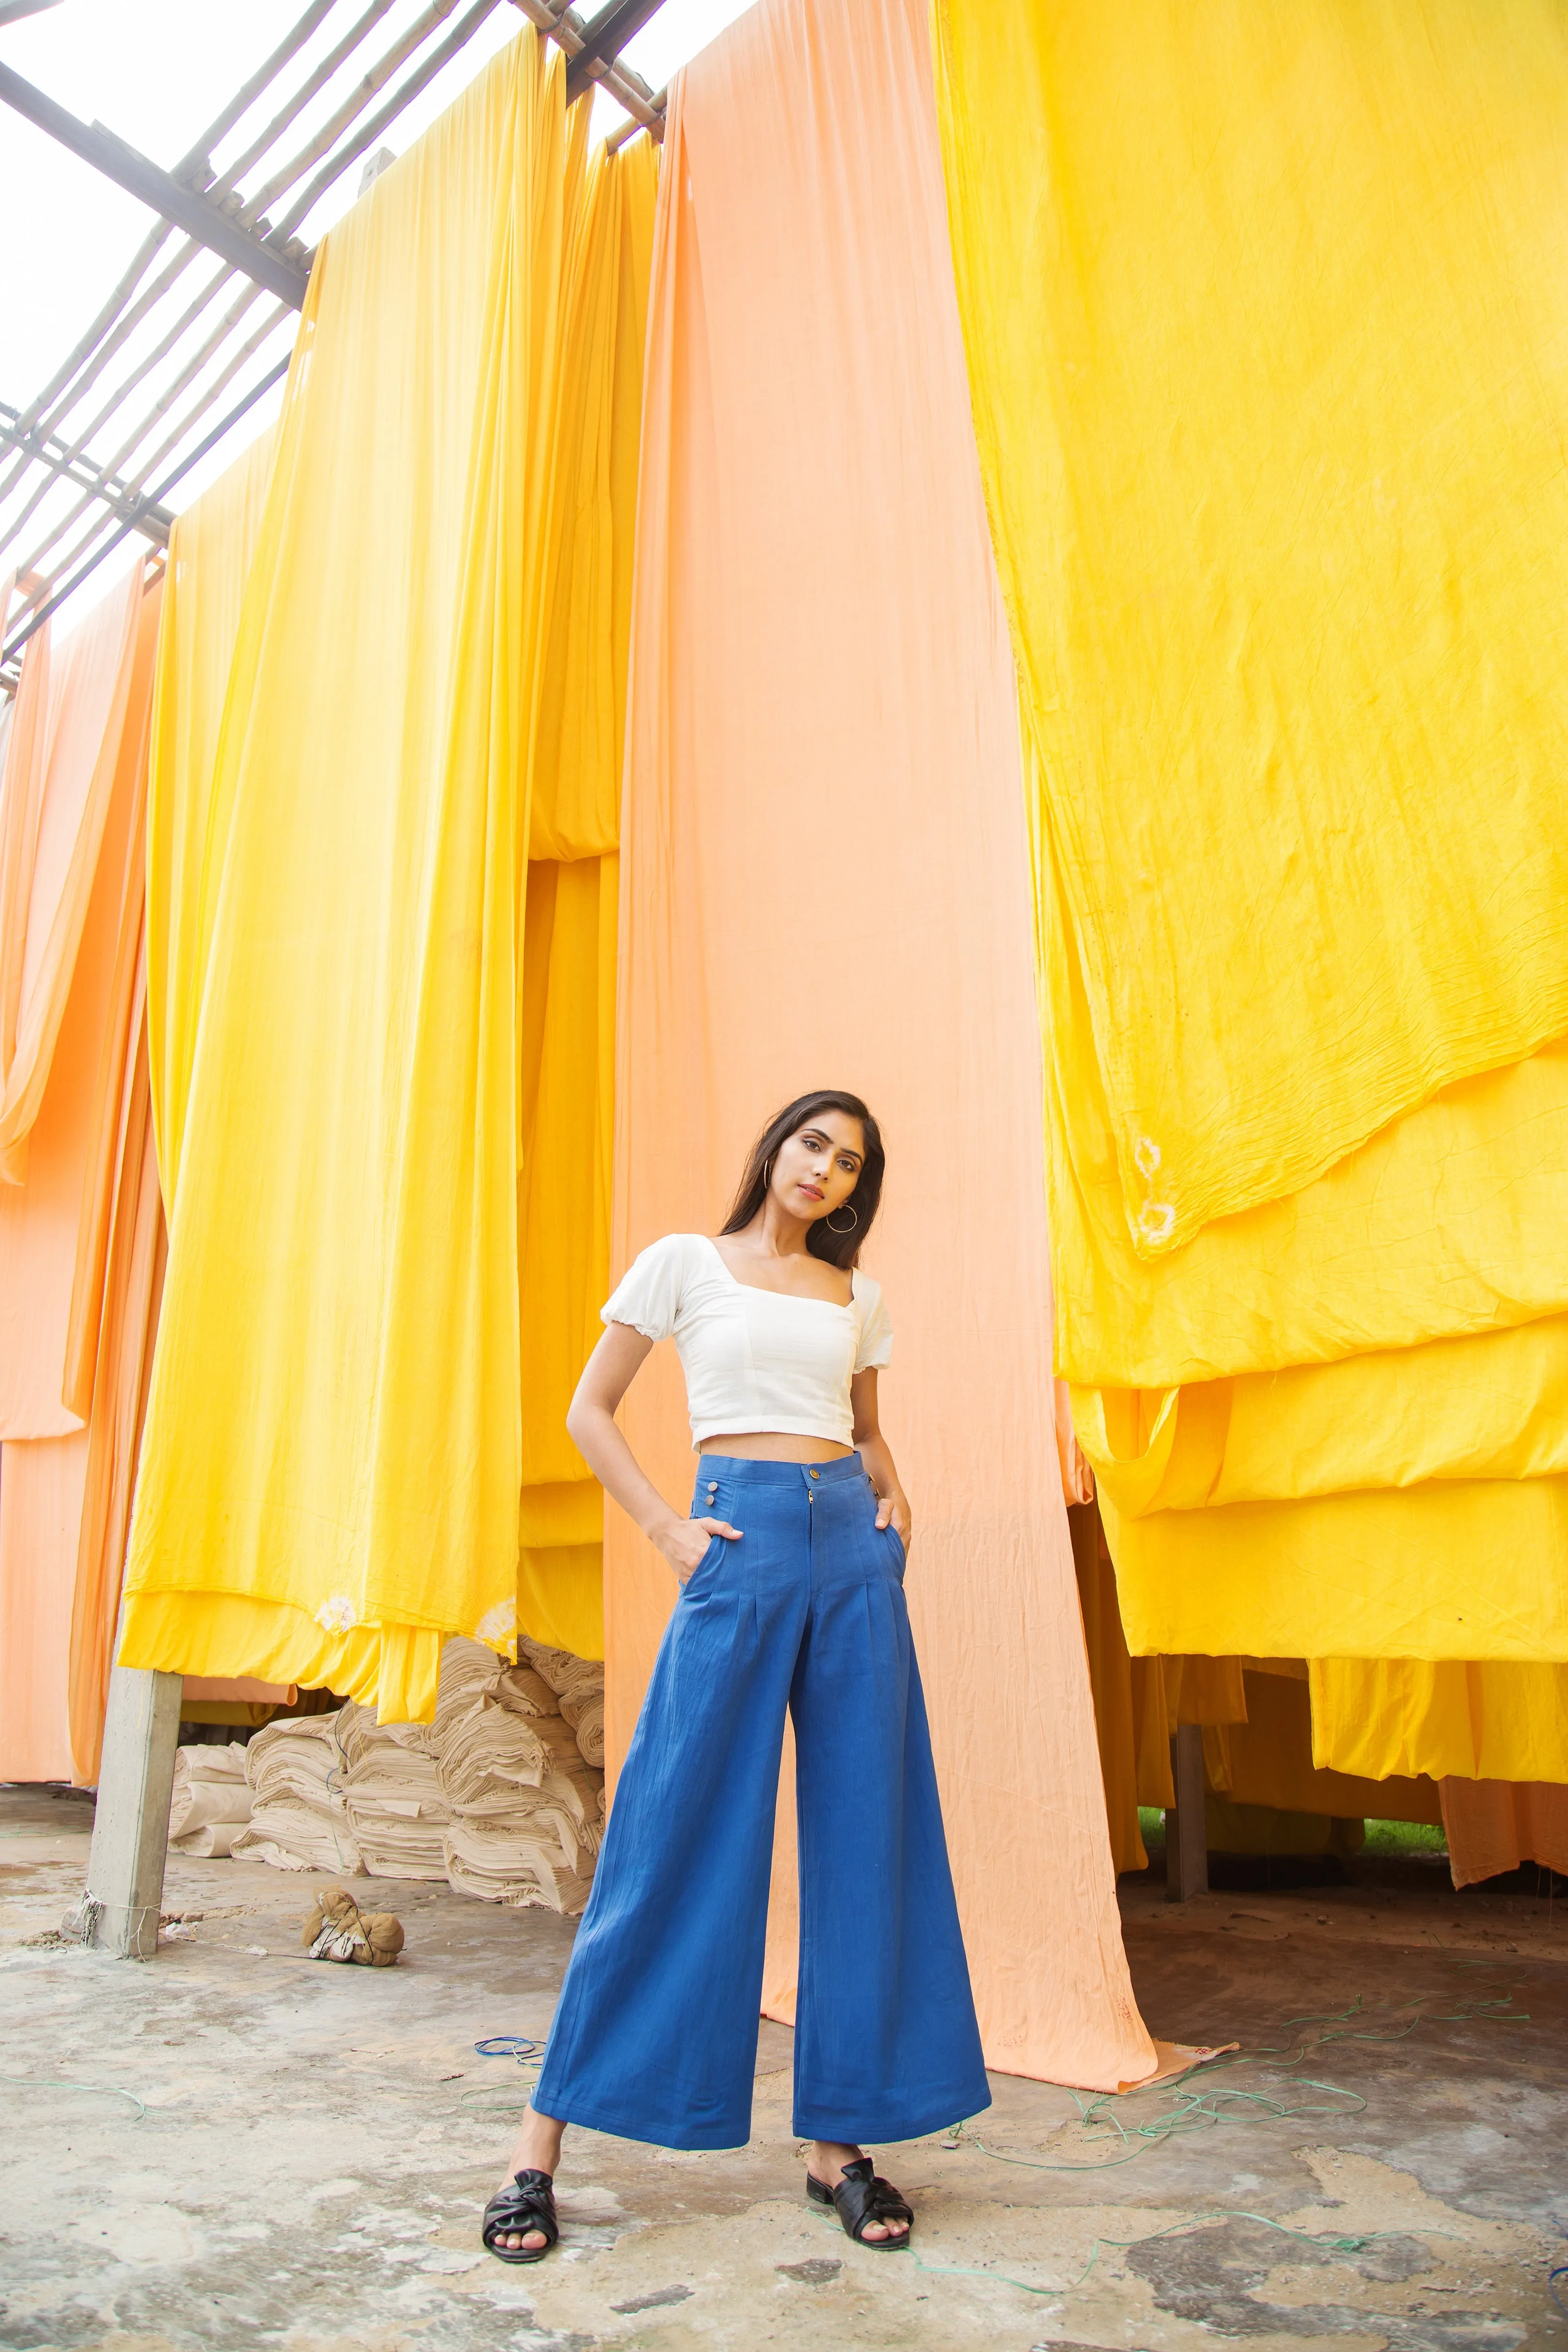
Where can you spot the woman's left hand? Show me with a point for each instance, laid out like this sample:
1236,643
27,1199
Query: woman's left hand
892,1511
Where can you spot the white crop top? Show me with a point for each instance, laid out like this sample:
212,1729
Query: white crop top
754,1359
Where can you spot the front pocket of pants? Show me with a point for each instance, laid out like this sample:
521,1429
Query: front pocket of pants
717,1547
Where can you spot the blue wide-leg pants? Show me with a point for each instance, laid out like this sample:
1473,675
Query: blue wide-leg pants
655,2036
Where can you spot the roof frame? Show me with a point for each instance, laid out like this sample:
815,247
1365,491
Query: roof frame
64,507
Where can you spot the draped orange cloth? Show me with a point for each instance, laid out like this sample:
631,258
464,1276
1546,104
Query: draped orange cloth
824,881
79,1219
1494,1826
70,817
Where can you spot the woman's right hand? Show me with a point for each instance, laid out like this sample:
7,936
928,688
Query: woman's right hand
684,1541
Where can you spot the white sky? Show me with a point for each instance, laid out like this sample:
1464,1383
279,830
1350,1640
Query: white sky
157,71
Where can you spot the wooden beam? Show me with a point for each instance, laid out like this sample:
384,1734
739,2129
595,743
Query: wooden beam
187,207
604,37
154,522
1186,1834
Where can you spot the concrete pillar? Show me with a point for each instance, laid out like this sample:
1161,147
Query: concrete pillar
130,1826
1187,1834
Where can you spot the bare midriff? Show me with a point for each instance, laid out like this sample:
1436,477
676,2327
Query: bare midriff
774,1445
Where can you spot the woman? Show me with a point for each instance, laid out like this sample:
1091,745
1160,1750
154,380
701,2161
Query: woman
791,1567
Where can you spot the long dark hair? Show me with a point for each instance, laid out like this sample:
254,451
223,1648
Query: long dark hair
840,1249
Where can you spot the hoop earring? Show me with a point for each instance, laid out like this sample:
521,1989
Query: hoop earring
854,1221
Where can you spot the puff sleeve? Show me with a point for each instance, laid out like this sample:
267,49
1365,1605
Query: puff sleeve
649,1293
875,1347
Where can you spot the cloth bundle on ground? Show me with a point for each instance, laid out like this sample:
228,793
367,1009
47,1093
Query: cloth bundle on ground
211,1801
298,1820
527,1816
336,1928
1293,789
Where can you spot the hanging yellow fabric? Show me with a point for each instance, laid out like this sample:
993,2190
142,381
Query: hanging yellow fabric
1266,322
330,1466
210,550
568,1012
1451,1719
1453,1219
564,1236
1455,1568
1490,1406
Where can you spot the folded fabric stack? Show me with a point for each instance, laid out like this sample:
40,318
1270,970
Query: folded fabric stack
299,1818
526,1811
211,1800
579,1687
395,1807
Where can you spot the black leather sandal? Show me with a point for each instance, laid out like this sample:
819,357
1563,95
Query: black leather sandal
862,2197
527,2202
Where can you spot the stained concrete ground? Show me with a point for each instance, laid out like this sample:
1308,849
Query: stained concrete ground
235,2145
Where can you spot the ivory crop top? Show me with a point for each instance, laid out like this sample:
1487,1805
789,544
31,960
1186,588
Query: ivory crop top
754,1359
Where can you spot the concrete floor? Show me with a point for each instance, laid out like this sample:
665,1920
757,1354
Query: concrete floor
305,2151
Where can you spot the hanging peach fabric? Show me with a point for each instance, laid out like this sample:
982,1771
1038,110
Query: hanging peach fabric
41,1484
60,779
824,882
72,794
331,1463
1492,1826
210,551
56,1220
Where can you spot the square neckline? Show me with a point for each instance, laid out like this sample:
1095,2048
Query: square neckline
839,1306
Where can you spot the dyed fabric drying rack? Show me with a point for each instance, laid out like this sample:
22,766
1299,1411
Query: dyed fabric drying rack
85,464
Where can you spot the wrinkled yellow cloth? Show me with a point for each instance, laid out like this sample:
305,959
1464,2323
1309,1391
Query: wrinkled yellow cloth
332,1450
1453,1219
1462,1721
210,550
1266,322
1454,1569
568,1006
1490,1406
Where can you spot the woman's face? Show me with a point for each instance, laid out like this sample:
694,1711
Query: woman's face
819,1166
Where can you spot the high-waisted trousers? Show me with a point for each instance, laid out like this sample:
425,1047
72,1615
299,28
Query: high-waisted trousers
654,2037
